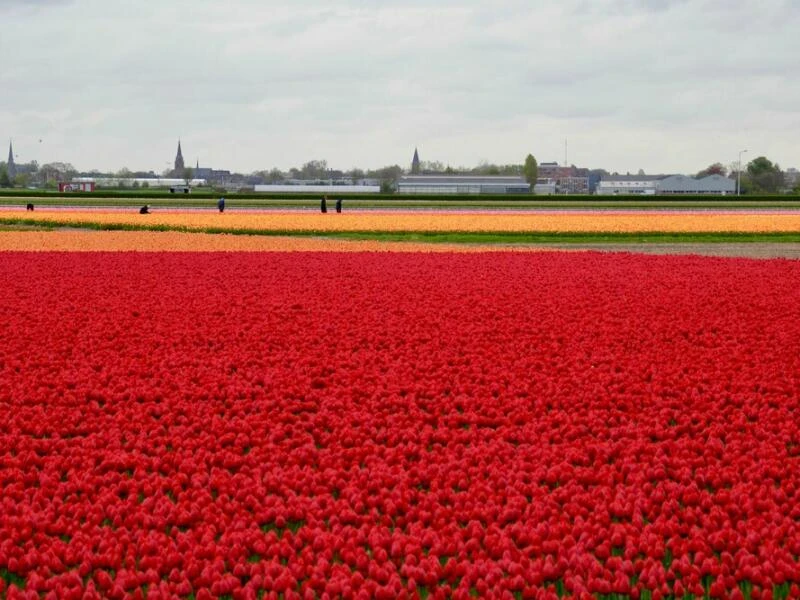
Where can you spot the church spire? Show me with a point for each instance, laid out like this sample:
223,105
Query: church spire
415,163
179,166
11,168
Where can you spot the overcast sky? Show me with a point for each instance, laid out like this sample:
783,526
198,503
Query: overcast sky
661,85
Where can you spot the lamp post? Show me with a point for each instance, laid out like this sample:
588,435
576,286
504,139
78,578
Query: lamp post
739,174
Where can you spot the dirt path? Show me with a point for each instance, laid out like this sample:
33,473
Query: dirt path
746,250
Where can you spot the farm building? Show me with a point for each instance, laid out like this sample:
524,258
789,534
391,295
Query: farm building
317,188
152,182
628,185
665,185
681,184
73,186
462,184
545,186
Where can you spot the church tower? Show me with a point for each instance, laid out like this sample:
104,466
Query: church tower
11,168
179,166
415,163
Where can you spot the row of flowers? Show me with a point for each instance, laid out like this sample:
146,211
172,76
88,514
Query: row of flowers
404,425
432,221
179,241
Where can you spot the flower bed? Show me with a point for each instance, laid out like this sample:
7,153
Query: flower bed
209,425
428,221
178,241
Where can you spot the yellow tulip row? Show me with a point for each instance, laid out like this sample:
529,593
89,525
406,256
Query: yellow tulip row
173,241
438,222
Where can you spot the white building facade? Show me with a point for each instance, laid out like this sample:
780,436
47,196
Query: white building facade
317,188
667,185
462,184
623,185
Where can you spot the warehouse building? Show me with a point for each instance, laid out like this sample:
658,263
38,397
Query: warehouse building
667,185
681,184
628,185
462,184
316,188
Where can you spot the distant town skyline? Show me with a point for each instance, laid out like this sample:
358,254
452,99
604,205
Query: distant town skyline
660,85
415,166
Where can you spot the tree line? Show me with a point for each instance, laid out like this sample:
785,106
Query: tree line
759,176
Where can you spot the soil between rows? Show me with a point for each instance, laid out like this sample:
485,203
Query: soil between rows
745,250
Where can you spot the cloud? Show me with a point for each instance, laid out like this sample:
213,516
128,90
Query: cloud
251,84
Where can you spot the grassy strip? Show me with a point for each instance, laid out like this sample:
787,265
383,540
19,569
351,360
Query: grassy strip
448,237
568,237
301,193
393,202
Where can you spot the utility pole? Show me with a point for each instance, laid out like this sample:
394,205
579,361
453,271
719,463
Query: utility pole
739,174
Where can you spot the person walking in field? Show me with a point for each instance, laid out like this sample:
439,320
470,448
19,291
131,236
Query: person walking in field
221,204
323,206
338,205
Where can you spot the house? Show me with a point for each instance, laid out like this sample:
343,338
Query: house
567,180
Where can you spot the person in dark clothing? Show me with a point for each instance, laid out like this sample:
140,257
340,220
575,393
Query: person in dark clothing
30,206
323,206
221,204
145,210
338,205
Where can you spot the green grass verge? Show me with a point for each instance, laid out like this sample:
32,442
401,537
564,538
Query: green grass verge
452,237
99,199
566,237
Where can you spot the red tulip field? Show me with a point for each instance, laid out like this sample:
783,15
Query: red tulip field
389,425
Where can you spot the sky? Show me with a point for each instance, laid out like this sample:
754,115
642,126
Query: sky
668,86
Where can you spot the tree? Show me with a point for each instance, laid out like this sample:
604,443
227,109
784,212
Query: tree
764,176
52,173
188,174
431,166
531,170
355,174
486,168
713,169
315,169
275,175
22,180
5,181
387,176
